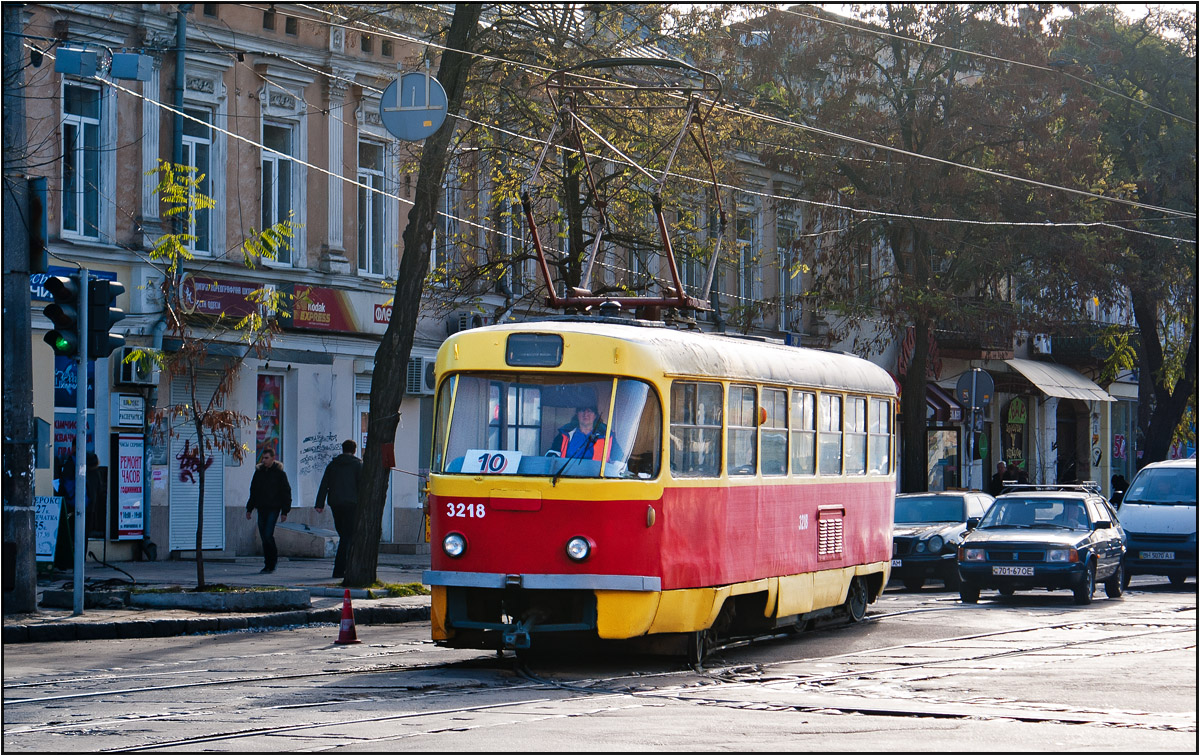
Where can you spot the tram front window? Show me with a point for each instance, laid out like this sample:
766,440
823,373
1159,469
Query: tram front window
548,425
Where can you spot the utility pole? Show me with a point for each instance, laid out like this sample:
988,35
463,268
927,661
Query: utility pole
19,558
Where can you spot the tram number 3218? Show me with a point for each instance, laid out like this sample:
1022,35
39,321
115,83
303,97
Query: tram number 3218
473,511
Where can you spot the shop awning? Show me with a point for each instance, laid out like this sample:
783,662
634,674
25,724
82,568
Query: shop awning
1059,381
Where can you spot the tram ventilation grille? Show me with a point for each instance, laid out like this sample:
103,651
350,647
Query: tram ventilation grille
829,538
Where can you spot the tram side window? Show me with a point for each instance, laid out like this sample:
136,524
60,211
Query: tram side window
856,436
829,434
879,444
743,431
774,433
695,429
804,433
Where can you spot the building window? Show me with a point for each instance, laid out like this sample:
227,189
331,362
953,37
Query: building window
290,26
277,177
368,44
747,250
269,19
520,271
788,249
81,161
743,431
804,433
210,10
371,223
445,234
386,48
197,152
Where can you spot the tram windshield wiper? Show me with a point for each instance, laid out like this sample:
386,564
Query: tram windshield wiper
583,449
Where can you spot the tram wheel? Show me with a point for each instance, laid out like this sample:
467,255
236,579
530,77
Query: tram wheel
856,600
697,648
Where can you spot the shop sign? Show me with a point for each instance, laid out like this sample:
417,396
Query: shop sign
1017,412
46,510
129,410
216,297
317,308
1118,449
66,380
130,485
383,312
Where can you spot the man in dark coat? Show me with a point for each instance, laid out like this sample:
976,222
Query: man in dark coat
271,495
340,485
997,483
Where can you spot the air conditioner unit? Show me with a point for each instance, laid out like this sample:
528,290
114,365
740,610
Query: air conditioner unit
141,372
1041,343
419,377
461,321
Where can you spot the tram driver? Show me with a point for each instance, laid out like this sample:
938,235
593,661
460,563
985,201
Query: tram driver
584,436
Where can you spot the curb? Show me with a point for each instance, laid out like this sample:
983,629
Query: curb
163,628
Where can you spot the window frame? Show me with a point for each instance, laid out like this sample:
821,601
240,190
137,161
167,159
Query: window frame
276,159
802,427
738,392
854,430
771,401
823,399
81,155
191,144
377,202
875,432
715,429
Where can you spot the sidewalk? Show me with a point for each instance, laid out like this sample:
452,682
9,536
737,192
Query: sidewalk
311,575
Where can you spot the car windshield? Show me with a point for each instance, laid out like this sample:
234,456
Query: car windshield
547,425
1163,485
1020,512
929,509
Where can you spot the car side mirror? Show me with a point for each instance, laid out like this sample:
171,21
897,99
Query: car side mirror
972,523
1103,524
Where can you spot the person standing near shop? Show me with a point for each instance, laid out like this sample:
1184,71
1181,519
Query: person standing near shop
340,485
271,495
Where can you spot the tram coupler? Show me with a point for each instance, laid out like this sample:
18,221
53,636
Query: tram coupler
517,637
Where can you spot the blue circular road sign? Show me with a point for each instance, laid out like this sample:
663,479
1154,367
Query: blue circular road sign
413,107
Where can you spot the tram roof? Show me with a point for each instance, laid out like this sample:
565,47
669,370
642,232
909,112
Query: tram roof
677,352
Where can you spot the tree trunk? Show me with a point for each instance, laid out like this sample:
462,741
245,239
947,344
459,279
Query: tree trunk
1162,405
199,499
914,474
393,352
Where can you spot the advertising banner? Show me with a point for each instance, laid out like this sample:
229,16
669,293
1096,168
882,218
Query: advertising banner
130,486
316,308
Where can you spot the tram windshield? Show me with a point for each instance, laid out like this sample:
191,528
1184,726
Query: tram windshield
548,425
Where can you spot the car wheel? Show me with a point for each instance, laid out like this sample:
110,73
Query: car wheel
914,584
1087,586
856,600
1007,590
968,593
1177,581
1115,585
1125,577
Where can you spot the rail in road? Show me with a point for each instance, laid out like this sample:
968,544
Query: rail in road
880,678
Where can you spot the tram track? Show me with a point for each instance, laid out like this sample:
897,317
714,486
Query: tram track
717,686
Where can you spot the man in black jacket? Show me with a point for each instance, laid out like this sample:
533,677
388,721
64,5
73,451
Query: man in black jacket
340,485
271,495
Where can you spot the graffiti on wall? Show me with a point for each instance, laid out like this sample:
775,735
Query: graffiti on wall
317,450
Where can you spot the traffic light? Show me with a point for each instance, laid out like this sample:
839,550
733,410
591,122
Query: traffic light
64,315
103,314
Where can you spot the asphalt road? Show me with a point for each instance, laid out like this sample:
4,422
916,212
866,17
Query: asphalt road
924,672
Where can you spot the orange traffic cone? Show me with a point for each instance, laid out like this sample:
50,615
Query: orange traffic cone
347,636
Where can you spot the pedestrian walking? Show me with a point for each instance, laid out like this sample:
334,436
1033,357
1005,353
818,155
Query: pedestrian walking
997,482
271,495
339,485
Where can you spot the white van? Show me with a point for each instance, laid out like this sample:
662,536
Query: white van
1159,517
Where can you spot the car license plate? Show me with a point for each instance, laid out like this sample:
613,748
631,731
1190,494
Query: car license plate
1018,571
1158,555
897,562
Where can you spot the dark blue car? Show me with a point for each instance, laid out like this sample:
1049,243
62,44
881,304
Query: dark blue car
929,527
1053,539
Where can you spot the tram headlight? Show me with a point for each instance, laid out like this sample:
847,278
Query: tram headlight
454,545
579,549
935,544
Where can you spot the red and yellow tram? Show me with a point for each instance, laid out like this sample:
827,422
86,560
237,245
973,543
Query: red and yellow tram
623,479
